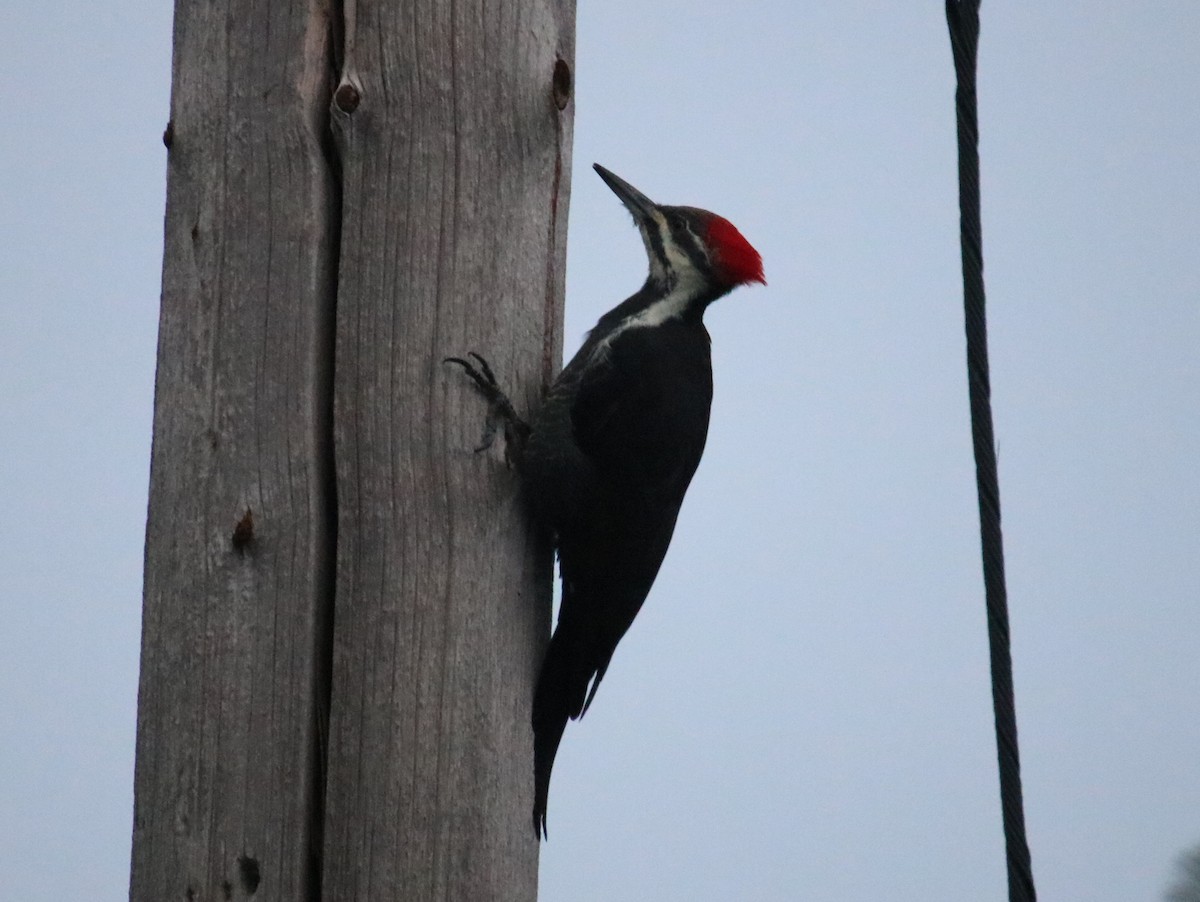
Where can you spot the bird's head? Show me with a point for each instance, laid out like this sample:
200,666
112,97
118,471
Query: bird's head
689,249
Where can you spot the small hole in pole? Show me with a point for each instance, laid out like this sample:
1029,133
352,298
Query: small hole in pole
561,83
249,871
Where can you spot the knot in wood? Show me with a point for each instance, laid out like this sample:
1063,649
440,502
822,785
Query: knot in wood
347,97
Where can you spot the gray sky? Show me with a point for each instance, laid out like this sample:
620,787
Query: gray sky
802,709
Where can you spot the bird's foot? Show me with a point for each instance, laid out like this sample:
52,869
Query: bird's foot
500,409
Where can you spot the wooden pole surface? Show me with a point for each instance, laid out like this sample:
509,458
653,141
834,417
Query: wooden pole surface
316,511
239,550
454,129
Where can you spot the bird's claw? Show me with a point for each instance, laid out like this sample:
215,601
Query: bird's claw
485,381
500,409
483,377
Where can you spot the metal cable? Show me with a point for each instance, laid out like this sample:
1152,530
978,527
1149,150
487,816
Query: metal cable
962,17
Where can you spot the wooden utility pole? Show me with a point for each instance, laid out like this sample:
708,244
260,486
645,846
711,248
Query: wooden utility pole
344,606
455,159
240,533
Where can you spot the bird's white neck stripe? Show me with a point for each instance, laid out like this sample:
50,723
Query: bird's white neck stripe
687,284
670,306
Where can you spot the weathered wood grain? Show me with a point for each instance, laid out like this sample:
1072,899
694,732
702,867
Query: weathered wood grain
240,534
454,137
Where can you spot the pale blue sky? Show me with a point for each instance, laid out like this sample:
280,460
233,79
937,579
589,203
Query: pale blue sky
802,709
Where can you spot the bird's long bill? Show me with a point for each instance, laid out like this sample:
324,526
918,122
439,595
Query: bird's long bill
637,203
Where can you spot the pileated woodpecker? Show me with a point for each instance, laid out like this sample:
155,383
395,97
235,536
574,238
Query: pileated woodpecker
606,460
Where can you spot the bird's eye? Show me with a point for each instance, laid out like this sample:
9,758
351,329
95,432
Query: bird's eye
677,221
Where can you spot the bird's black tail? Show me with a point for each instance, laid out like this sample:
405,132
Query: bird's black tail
561,689
546,737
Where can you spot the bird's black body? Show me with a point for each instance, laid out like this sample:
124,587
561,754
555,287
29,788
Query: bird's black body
606,460
637,414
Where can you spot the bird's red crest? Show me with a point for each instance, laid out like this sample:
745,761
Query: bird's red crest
737,260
